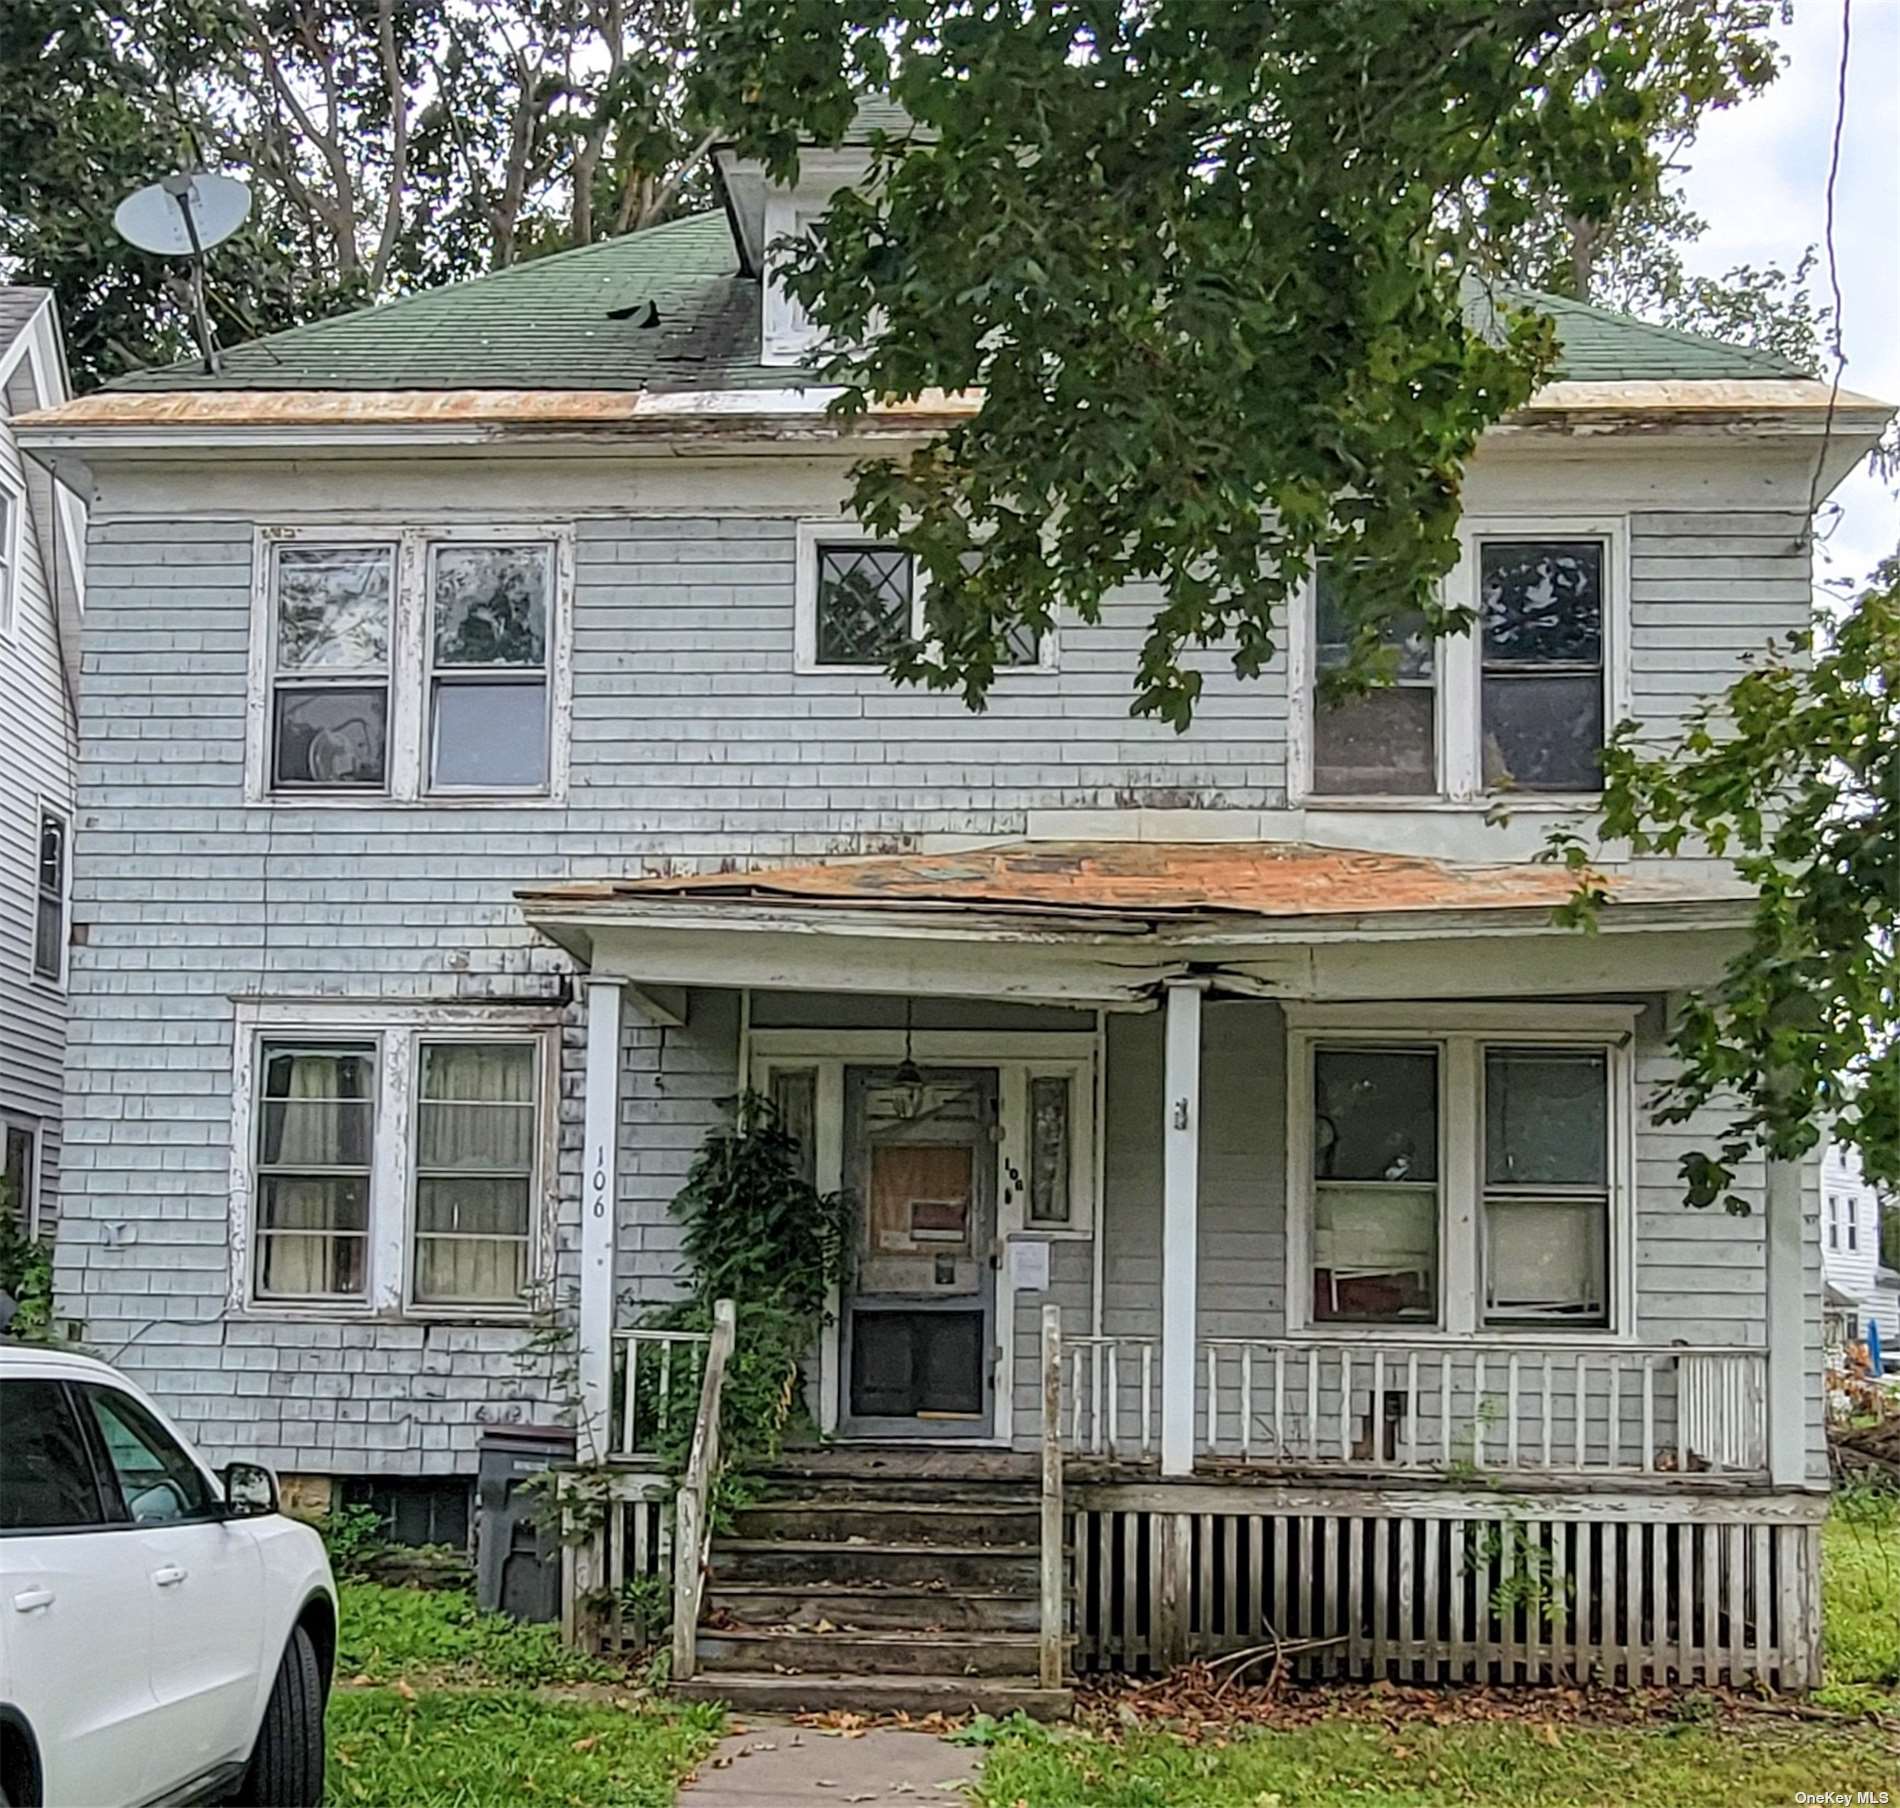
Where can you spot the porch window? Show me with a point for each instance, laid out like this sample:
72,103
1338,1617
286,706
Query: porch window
1540,603
50,932
331,667
1384,743
488,666
1051,1149
1546,1186
1376,1192
316,1132
474,1167
794,1095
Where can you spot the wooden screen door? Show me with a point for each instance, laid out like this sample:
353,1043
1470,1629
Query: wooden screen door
919,1306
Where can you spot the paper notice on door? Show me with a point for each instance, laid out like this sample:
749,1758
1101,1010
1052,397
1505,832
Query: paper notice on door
1028,1266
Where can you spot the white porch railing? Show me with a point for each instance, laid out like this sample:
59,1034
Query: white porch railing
1113,1407
656,1377
1488,1406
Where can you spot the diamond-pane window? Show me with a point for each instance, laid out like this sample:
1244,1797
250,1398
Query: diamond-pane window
864,604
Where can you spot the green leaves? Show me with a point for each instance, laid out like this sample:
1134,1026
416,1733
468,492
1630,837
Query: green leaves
1206,265
1794,778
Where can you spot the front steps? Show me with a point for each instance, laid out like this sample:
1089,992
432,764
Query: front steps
879,1580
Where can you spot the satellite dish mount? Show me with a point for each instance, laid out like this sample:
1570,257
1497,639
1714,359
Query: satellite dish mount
184,215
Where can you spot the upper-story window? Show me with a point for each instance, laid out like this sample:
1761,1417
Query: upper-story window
410,664
10,513
1834,1221
1853,1222
1540,701
1519,706
52,883
860,600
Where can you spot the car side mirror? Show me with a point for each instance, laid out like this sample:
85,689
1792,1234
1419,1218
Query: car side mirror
250,1491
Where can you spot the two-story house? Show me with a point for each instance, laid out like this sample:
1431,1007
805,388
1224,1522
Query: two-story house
1863,1288
489,768
42,562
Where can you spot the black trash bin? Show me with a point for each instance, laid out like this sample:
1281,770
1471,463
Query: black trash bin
517,1564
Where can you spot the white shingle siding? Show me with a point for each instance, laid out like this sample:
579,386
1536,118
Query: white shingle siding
693,742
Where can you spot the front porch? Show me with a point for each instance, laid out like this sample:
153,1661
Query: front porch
1313,1256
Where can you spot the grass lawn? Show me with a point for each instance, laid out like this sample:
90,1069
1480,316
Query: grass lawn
442,1706
1383,1756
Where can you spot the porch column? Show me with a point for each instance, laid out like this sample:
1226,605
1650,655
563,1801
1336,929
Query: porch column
1180,1196
600,1158
1787,1328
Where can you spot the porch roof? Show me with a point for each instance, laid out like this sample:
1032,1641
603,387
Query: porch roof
1086,881
1113,922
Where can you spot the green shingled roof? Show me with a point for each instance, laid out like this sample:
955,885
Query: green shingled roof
666,309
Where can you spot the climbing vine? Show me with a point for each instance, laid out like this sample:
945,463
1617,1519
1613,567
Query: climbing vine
759,1233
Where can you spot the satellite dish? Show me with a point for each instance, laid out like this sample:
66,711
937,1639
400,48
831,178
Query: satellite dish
183,215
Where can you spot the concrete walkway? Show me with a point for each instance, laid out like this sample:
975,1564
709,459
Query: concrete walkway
774,1762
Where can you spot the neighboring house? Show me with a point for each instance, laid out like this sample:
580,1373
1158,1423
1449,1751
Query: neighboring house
42,561
490,768
1851,1208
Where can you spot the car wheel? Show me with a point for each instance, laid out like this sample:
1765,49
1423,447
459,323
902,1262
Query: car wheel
286,1767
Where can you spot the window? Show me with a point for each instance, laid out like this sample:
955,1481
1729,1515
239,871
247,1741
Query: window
1375,1185
50,885
1386,742
158,1482
410,665
316,1132
474,1167
9,555
19,1177
488,663
1463,1168
392,1163
47,1482
1853,1223
860,601
864,604
1051,1149
1519,705
1546,1186
331,667
1834,1221
1541,696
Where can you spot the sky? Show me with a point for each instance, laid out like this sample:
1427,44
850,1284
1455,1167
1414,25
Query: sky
1758,175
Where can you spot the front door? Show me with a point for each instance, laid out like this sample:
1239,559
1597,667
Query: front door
918,1309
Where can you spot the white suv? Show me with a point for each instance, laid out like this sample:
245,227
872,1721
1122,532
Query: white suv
166,1635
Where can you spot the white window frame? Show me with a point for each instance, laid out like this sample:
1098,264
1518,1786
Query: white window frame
1461,1034
34,1129
1458,661
44,807
12,541
396,1030
411,640
817,532
1017,1055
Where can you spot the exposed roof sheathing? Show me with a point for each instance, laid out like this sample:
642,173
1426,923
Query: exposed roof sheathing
1122,878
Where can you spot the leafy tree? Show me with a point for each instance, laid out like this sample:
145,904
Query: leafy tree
1205,264
389,144
1794,777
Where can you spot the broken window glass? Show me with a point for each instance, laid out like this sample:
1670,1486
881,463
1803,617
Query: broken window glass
1541,610
1384,743
864,604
